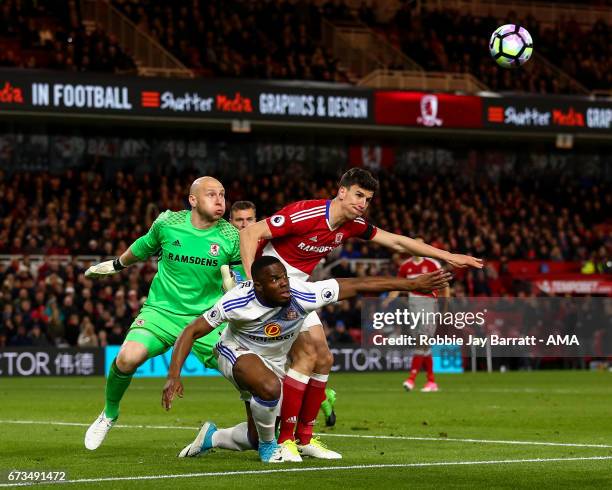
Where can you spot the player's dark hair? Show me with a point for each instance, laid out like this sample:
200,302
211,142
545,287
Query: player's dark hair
261,263
240,205
361,177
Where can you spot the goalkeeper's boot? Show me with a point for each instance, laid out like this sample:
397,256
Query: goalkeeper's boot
328,407
95,435
408,385
429,387
317,449
202,443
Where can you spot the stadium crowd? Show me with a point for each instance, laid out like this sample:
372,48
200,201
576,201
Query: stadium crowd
452,41
49,34
82,213
282,40
229,38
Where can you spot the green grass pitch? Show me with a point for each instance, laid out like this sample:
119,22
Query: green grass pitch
480,430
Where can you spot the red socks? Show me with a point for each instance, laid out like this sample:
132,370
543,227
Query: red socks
428,364
294,387
422,361
314,396
415,367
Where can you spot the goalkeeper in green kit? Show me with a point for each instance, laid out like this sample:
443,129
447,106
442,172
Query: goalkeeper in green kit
194,248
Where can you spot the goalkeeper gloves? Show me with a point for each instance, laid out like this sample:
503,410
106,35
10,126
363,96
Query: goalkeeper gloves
228,277
106,268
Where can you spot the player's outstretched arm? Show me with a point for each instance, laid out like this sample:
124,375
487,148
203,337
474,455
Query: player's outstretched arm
249,240
442,293
196,329
404,244
145,246
424,283
109,267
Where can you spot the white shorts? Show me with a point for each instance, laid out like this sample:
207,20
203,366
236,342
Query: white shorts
311,320
228,352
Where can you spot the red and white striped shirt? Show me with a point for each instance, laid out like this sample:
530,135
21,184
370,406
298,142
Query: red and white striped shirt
302,236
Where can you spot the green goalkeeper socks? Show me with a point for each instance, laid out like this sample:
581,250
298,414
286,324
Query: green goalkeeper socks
327,407
116,384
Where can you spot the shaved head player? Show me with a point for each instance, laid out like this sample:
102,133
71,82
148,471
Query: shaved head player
192,246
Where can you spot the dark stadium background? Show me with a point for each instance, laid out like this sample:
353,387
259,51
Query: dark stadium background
520,180
110,109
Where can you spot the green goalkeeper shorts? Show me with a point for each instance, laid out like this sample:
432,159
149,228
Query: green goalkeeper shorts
158,330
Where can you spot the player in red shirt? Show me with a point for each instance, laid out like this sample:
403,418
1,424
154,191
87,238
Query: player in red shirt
411,268
300,235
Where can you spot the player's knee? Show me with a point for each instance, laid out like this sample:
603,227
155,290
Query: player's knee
325,361
269,388
324,358
304,361
130,357
304,357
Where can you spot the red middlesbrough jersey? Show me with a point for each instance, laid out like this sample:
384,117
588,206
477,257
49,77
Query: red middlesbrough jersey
301,235
411,269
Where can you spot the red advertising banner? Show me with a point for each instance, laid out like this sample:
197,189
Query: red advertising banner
427,110
575,284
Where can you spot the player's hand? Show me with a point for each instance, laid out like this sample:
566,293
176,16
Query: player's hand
229,279
460,260
173,386
105,268
426,283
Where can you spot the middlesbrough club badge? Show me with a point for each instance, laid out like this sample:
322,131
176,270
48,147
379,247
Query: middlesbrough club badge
214,249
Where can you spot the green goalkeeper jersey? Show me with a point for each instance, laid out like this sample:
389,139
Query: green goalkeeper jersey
188,279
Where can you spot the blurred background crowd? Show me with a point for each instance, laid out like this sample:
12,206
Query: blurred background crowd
283,40
82,213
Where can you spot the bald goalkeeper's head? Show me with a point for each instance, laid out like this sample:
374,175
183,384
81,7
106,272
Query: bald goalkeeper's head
207,198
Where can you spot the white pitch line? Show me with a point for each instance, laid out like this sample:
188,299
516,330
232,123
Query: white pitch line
323,468
329,434
484,441
447,390
80,424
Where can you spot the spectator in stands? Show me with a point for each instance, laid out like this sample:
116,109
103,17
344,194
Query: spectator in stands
20,338
37,337
339,334
87,337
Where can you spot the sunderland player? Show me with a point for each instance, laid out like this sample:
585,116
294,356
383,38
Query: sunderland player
265,317
193,246
300,235
411,268
243,214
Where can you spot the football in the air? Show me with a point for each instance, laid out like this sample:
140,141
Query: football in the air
511,45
